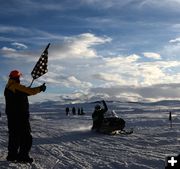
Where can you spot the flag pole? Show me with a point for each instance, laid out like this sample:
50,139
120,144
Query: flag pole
47,47
31,82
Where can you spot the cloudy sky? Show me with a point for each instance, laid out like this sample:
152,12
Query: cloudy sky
110,49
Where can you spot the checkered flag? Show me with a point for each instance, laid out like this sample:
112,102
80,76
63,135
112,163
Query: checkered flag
41,66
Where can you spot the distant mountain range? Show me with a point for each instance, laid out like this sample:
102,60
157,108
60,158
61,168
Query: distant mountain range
53,104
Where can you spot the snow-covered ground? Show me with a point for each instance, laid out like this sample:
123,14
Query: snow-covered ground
66,142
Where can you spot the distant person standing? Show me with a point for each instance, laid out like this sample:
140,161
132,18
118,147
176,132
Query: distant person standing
170,119
82,111
74,111
79,111
17,111
170,116
67,111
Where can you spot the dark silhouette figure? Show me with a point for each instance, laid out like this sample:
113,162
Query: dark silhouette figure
98,116
79,111
74,111
67,111
82,111
170,116
170,119
17,111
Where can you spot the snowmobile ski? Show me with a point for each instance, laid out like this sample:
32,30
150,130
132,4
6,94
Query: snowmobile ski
120,132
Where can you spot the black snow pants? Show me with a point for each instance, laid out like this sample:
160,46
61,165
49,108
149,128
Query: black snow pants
20,138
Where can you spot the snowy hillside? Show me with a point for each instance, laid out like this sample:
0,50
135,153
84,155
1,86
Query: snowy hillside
66,142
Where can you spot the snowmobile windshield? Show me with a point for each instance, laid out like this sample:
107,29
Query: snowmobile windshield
110,114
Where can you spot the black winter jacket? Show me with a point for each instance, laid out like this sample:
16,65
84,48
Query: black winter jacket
16,97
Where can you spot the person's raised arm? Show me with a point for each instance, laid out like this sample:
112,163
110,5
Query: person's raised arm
105,106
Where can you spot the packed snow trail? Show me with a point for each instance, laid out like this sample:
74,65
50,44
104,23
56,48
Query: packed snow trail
67,142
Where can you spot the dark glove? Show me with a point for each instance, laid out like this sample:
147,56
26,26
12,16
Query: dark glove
43,87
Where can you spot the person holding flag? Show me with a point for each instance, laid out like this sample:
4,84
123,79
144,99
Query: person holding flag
17,110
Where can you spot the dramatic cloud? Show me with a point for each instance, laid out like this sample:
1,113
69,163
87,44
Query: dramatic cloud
177,40
121,60
80,46
19,45
148,93
173,4
117,77
7,50
65,81
14,29
98,48
112,78
132,71
152,55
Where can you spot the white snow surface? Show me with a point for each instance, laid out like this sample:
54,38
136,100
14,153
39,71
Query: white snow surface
67,142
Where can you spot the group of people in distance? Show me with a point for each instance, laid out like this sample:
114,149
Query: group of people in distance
80,111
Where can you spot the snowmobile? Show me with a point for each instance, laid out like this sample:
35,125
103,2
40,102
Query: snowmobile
112,124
